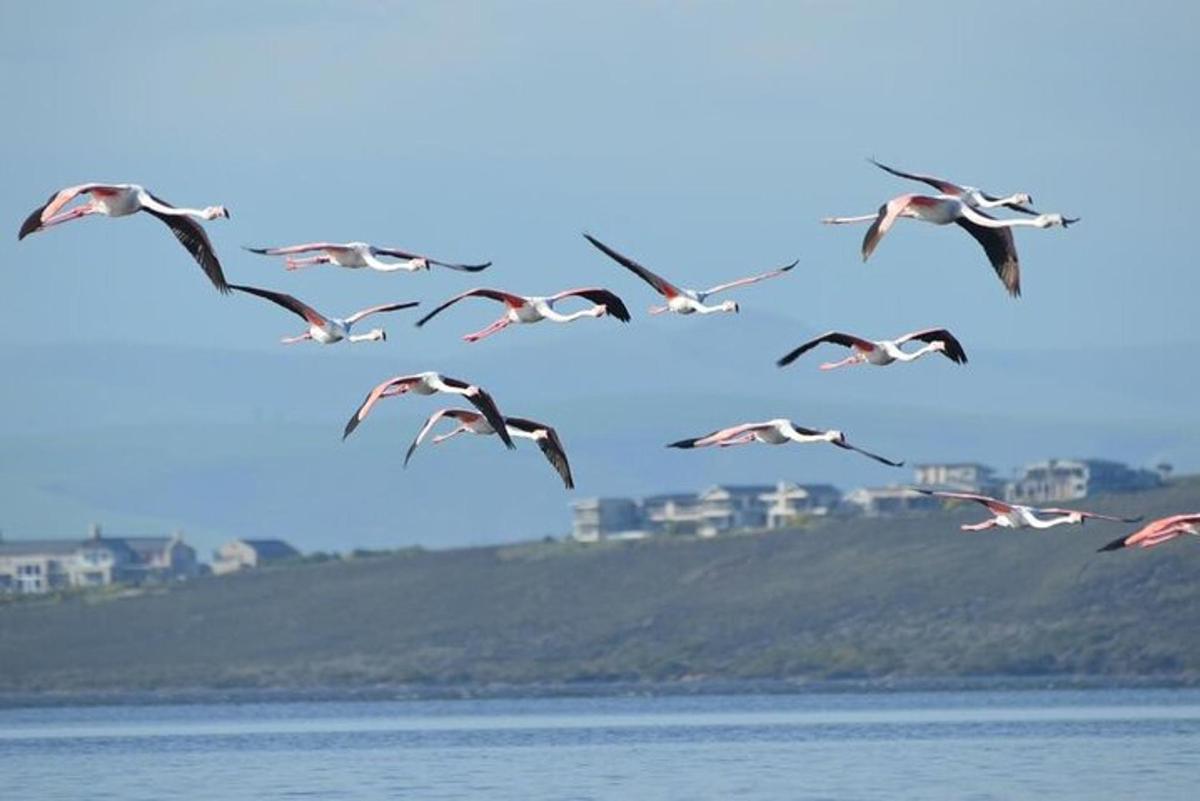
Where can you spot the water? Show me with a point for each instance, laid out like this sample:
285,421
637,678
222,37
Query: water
1090,744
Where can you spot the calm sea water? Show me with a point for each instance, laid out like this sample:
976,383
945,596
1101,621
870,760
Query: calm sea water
1091,744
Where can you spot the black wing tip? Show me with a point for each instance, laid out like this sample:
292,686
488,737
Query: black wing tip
259,251
1115,545
350,426
787,267
27,229
684,443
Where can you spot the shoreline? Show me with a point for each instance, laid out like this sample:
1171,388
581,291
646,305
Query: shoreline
14,699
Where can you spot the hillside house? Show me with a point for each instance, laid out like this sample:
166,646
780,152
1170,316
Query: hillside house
247,554
36,566
1058,480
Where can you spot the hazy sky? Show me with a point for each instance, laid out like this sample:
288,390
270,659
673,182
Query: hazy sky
705,139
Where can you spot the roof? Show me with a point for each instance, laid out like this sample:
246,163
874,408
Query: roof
678,497
955,464
32,547
741,489
271,549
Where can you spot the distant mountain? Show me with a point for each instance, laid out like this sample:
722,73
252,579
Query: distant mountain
873,598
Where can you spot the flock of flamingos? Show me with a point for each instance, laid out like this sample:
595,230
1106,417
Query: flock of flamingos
965,206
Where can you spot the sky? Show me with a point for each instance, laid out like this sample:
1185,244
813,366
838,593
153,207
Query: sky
706,140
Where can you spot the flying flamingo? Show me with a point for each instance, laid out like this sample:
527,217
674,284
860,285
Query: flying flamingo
993,235
679,299
974,197
1013,515
429,383
323,329
475,423
522,309
121,200
360,254
884,351
1158,532
775,432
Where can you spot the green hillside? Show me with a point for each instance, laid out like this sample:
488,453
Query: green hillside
910,597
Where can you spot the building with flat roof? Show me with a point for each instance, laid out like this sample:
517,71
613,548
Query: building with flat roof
245,554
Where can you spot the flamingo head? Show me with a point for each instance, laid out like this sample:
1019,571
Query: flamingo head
1023,199
215,212
836,436
731,306
420,263
377,335
1055,221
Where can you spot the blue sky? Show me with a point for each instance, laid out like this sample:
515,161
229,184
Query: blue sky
705,139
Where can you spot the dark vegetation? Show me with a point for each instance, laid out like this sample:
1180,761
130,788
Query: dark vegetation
897,598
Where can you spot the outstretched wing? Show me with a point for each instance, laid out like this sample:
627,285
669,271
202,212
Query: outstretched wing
886,217
55,204
311,315
372,398
754,279
874,456
507,298
940,184
550,445
387,307
835,337
996,505
403,254
1052,510
455,414
482,401
660,284
291,250
714,437
1001,250
954,349
601,297
193,238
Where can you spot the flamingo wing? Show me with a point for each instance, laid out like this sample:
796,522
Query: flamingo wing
713,437
386,307
660,284
888,214
954,349
507,298
1053,510
847,446
403,254
940,184
835,337
1156,532
550,445
311,315
52,206
601,297
1001,250
455,414
373,397
994,504
193,238
482,401
291,250
754,279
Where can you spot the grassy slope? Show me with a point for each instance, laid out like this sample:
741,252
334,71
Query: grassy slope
910,597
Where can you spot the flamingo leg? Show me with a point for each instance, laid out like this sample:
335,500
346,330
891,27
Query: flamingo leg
986,524
295,264
659,309
295,339
499,325
849,220
744,439
849,360
438,440
67,216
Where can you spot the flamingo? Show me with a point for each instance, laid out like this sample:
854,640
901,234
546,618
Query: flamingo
775,432
429,383
322,328
993,235
974,197
884,351
356,255
121,200
1013,515
679,299
1158,532
470,422
522,309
